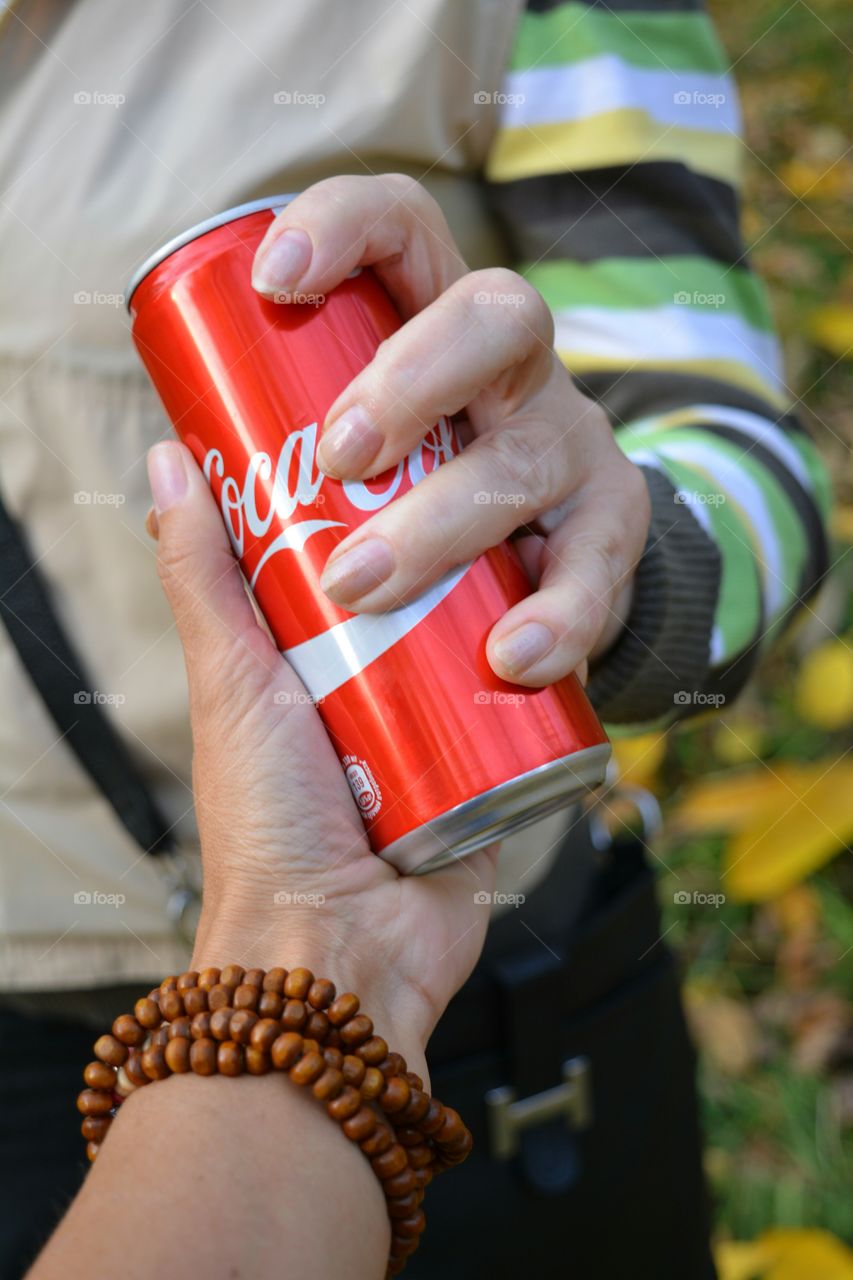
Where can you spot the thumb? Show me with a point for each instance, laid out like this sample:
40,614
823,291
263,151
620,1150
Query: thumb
201,578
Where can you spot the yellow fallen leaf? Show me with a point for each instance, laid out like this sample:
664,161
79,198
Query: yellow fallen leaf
741,1259
811,823
806,1254
823,693
728,801
831,327
738,741
640,758
814,181
725,1031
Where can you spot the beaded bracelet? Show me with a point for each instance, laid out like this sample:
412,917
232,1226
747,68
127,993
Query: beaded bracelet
229,1021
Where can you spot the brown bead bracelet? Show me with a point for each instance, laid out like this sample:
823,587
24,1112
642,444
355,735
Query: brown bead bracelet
232,1021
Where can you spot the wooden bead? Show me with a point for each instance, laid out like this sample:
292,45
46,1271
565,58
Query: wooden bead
345,1105
414,1079
334,1058
147,1013
294,1015
160,1036
110,1050
195,1000
177,1055
317,1026
187,980
298,983
459,1151
321,993
274,980
333,1039
242,1023
208,978
372,1084
219,997
395,1095
361,1125
393,1065
356,1030
354,1070
95,1128
99,1076
254,977
402,1206
203,1057
391,1162
124,1086
419,1157
328,1085
401,1183
380,1140
407,1135
373,1051
416,1108
232,975
220,1023
229,1059
168,984
452,1128
154,994
94,1102
270,1004
133,1070
264,1033
308,1069
127,1030
92,1149
200,1026
154,1063
424,1177
433,1119
246,996
286,1049
180,1028
409,1228
342,1009
257,1062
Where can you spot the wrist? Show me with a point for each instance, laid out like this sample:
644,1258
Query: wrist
317,943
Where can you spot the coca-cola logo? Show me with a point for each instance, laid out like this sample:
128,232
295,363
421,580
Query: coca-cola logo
273,489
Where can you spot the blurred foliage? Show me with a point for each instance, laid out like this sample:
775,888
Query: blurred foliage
758,798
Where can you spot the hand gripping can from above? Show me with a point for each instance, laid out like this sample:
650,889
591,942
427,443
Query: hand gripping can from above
442,756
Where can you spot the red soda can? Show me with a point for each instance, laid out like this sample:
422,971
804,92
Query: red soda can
442,756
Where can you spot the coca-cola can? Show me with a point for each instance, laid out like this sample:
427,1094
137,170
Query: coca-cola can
441,755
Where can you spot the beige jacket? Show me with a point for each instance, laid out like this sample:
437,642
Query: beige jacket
121,125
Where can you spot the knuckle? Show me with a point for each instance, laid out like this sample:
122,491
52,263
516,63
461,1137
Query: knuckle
406,189
520,463
513,298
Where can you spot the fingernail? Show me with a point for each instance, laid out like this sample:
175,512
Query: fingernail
523,647
358,571
167,475
349,444
282,262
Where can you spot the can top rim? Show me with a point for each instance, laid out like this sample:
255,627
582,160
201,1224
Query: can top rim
199,229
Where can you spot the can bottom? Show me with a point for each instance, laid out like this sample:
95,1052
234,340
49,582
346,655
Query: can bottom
498,812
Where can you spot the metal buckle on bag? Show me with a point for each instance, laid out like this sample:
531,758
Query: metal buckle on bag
604,830
509,1115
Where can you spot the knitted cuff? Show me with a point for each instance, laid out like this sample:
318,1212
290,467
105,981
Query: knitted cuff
660,661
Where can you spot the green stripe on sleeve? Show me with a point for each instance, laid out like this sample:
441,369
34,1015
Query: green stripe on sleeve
572,32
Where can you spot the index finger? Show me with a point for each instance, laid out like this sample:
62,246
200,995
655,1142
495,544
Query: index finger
389,223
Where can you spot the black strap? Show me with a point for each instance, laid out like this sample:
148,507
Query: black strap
68,693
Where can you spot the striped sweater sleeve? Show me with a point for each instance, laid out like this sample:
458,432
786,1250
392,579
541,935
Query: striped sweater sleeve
615,172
